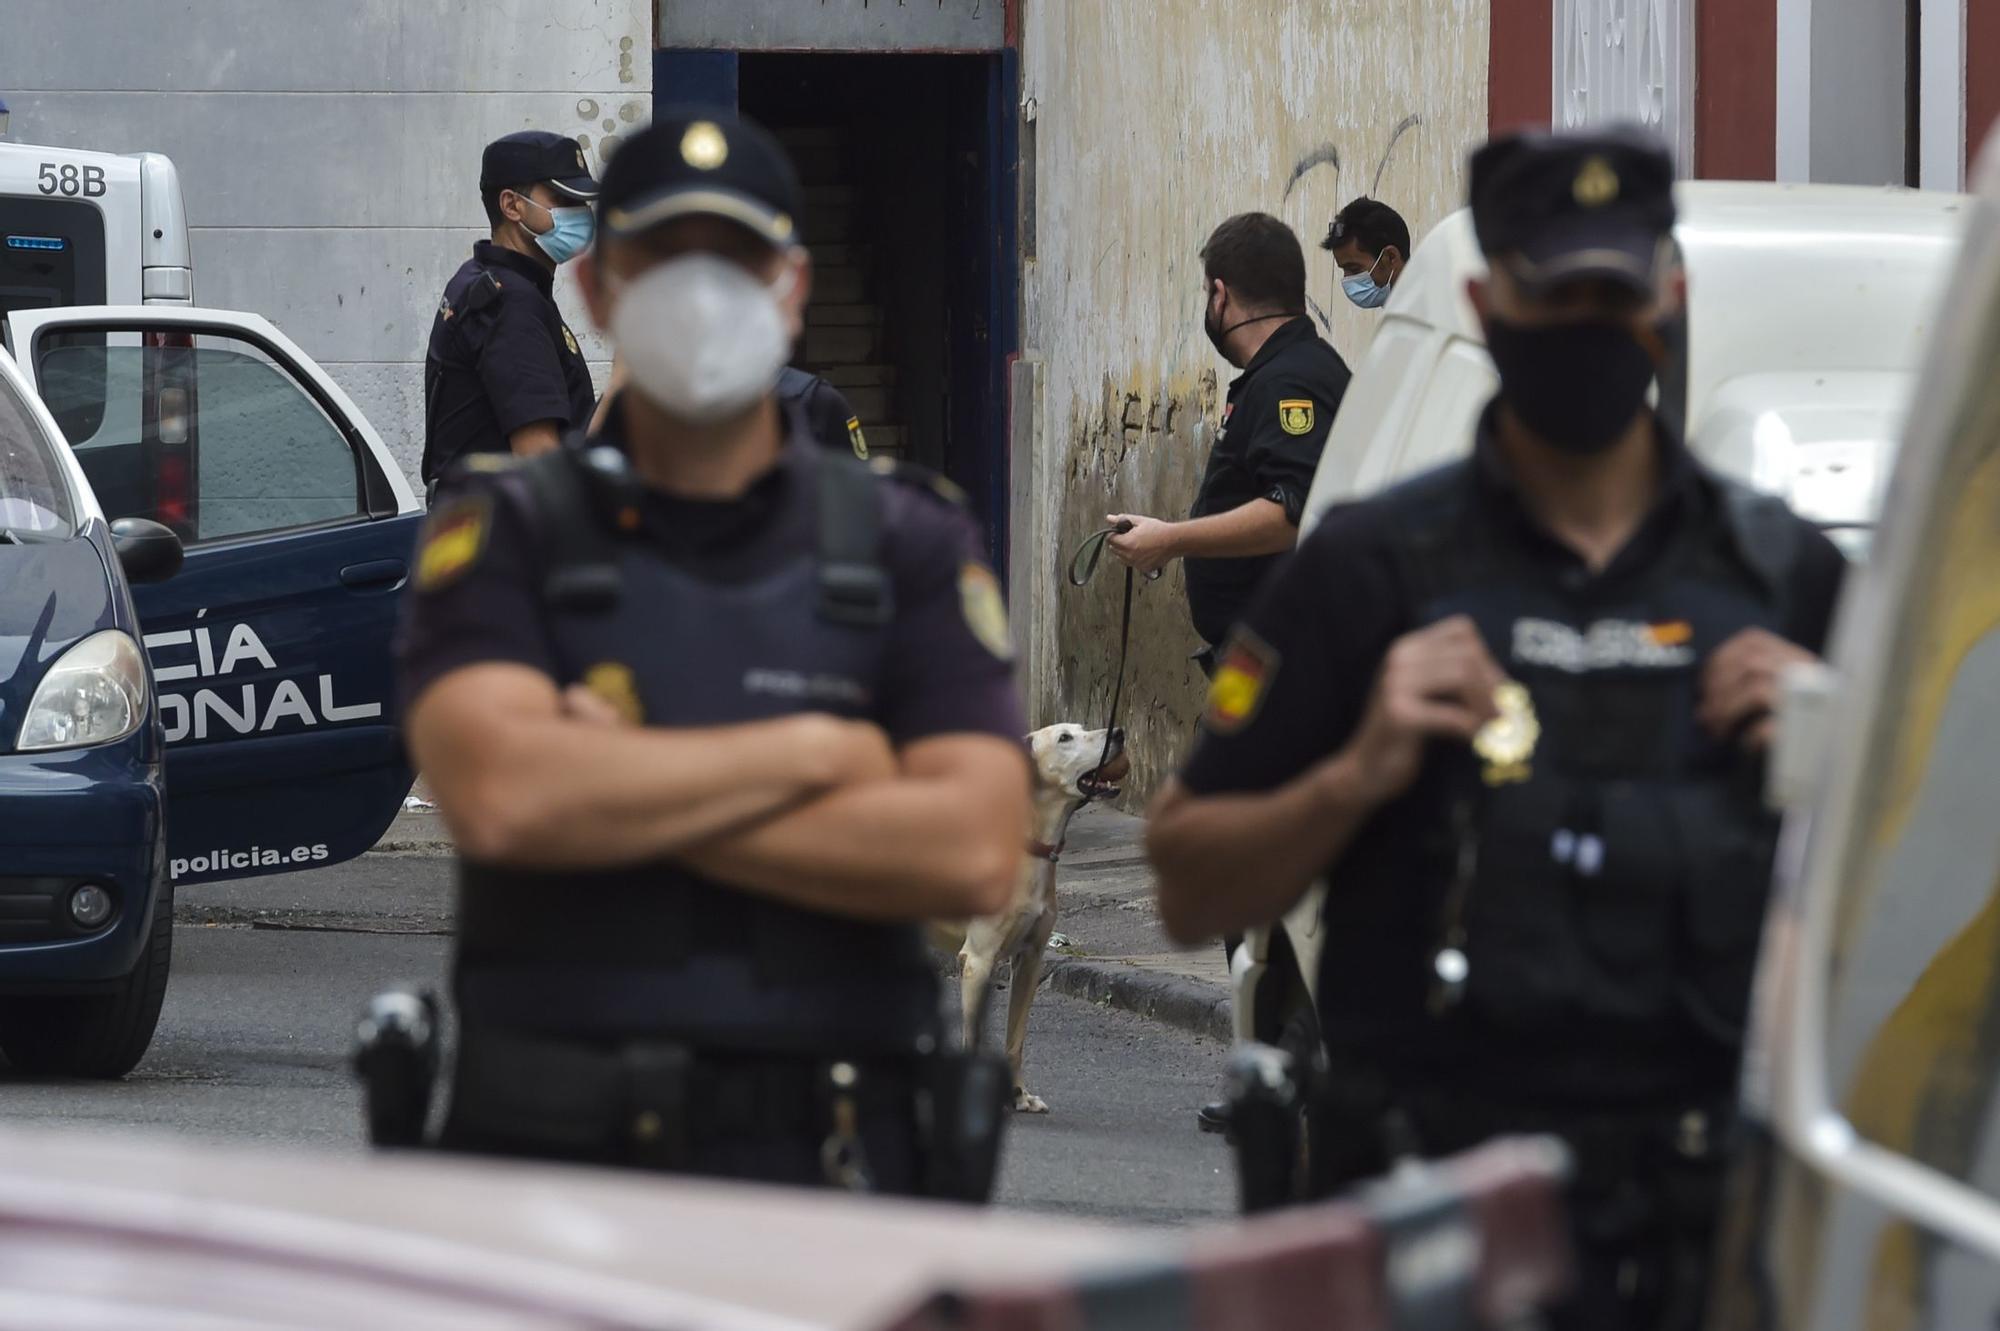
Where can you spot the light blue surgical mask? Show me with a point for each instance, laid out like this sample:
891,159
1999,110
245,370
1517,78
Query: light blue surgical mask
569,236
1363,290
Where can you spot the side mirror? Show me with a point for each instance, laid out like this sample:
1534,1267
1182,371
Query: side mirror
148,551
1805,728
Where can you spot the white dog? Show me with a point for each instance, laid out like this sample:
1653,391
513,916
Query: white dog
1072,767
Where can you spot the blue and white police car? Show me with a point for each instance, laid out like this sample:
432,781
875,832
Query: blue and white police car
202,543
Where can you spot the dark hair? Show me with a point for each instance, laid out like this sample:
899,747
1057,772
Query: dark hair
1371,224
490,196
1259,258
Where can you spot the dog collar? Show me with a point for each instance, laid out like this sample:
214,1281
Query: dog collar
1042,850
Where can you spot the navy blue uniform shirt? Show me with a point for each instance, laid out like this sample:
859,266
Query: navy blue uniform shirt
1273,428
500,358
945,674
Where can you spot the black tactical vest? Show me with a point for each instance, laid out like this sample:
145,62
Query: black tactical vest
1610,903
659,950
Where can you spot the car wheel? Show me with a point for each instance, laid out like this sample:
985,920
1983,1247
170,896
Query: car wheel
94,1035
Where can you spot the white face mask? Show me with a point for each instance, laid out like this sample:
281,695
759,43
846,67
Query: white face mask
702,337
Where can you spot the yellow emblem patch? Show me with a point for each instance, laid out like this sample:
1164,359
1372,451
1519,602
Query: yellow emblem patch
856,438
1295,415
985,612
569,339
612,681
703,146
1241,678
454,538
1596,183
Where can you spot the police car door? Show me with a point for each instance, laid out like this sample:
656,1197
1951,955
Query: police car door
270,648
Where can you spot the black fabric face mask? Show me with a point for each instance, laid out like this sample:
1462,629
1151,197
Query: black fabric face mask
1576,385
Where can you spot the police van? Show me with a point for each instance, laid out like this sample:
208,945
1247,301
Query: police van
90,228
202,546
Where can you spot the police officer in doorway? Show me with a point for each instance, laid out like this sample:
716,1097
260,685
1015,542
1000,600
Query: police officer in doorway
504,373
1516,711
717,717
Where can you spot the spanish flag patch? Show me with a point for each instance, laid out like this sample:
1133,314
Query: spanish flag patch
454,538
1242,677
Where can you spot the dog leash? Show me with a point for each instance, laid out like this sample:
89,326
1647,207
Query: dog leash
1082,567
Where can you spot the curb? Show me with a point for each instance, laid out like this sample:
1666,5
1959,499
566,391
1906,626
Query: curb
1172,1000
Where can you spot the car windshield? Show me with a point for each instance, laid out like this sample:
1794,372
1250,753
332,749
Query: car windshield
34,499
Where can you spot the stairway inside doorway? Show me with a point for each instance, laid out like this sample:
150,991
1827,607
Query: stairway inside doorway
847,338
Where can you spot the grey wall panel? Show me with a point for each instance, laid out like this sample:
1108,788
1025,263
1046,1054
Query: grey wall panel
320,159
297,45
834,25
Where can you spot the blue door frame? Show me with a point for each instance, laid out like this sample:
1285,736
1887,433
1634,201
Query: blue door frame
985,335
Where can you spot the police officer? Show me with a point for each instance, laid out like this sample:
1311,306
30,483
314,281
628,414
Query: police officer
1516,711
503,372
716,717
1274,424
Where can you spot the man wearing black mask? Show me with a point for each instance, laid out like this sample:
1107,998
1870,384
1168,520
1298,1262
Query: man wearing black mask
1515,710
1274,425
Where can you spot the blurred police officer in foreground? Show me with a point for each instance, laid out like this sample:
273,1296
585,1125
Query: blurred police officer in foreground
504,372
716,717
1516,709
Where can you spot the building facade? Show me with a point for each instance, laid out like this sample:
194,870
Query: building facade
329,155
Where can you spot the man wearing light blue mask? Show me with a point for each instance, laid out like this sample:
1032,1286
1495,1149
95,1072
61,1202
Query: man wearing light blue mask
504,373
1370,241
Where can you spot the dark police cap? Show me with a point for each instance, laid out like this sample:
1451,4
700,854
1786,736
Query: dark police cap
533,156
1571,206
702,162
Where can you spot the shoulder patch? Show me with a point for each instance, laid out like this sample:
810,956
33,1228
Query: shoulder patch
569,340
1295,415
985,612
856,438
1242,677
454,539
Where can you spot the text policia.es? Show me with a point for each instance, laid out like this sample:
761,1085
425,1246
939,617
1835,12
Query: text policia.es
245,709
256,857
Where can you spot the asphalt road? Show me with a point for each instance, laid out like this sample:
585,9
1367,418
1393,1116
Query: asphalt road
269,974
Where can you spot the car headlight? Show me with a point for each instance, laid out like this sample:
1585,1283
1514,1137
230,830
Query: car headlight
93,694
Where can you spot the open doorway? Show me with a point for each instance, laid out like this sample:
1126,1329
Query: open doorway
908,168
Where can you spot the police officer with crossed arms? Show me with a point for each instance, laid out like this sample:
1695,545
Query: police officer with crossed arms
717,716
1516,711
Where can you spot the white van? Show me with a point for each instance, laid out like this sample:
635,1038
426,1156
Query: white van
91,228
1808,309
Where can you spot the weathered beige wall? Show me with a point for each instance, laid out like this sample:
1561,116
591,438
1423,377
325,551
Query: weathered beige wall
1154,120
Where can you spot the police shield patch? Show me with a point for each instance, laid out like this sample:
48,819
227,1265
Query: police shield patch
856,438
985,611
1242,677
569,339
1295,415
454,538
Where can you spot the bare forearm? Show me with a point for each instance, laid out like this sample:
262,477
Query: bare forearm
1259,527
906,849
534,439
1225,863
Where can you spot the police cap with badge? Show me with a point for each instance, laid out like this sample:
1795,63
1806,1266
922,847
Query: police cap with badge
1564,208
693,163
535,157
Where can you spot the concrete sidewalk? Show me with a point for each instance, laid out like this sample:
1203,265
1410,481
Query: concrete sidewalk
1115,954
